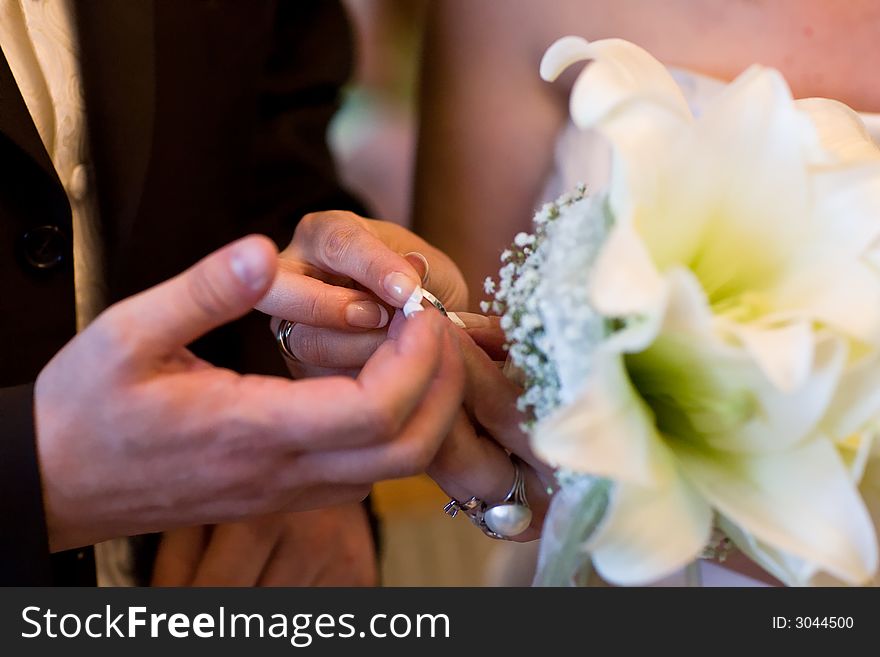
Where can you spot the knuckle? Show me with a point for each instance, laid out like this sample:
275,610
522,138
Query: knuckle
339,242
316,224
382,422
112,336
314,306
305,228
341,217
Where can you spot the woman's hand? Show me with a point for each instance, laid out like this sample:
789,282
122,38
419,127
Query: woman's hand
340,280
473,460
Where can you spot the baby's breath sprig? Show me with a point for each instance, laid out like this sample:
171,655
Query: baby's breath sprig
517,301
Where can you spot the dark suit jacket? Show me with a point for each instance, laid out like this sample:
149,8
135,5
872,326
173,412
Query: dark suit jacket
207,121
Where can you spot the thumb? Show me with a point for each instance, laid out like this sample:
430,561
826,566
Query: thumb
220,288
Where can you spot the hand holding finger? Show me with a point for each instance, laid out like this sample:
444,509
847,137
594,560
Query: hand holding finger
417,441
306,300
339,413
328,348
342,243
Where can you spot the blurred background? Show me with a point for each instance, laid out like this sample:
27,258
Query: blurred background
374,134
373,138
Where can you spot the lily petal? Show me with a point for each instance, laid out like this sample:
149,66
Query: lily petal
607,431
704,390
855,405
730,224
845,298
846,200
845,140
687,310
800,501
787,417
832,280
625,281
562,53
651,532
620,71
855,451
787,568
631,99
784,353
680,307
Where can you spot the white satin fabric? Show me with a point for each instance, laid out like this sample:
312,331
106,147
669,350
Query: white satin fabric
39,41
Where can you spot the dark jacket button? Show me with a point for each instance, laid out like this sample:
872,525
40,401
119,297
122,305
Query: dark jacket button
44,247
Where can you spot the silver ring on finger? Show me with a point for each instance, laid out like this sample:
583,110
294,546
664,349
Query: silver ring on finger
509,518
283,338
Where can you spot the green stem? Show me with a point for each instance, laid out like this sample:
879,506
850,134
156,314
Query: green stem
692,574
570,562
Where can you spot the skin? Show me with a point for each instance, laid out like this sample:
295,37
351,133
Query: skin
326,547
338,540
154,438
472,459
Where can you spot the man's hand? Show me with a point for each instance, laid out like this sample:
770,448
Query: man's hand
340,280
135,434
327,547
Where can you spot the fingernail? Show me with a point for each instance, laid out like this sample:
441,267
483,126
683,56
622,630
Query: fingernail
419,263
248,264
400,287
366,314
414,303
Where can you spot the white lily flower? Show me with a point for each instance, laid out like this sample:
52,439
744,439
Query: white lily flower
745,380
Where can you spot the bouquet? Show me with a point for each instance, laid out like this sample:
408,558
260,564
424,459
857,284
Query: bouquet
700,339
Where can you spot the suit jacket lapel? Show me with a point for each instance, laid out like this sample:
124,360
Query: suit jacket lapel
117,55
16,123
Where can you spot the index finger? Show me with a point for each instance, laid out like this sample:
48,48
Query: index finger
305,300
340,243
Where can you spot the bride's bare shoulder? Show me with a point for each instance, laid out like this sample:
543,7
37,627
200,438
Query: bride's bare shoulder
823,49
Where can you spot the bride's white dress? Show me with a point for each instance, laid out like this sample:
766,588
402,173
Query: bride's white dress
582,157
